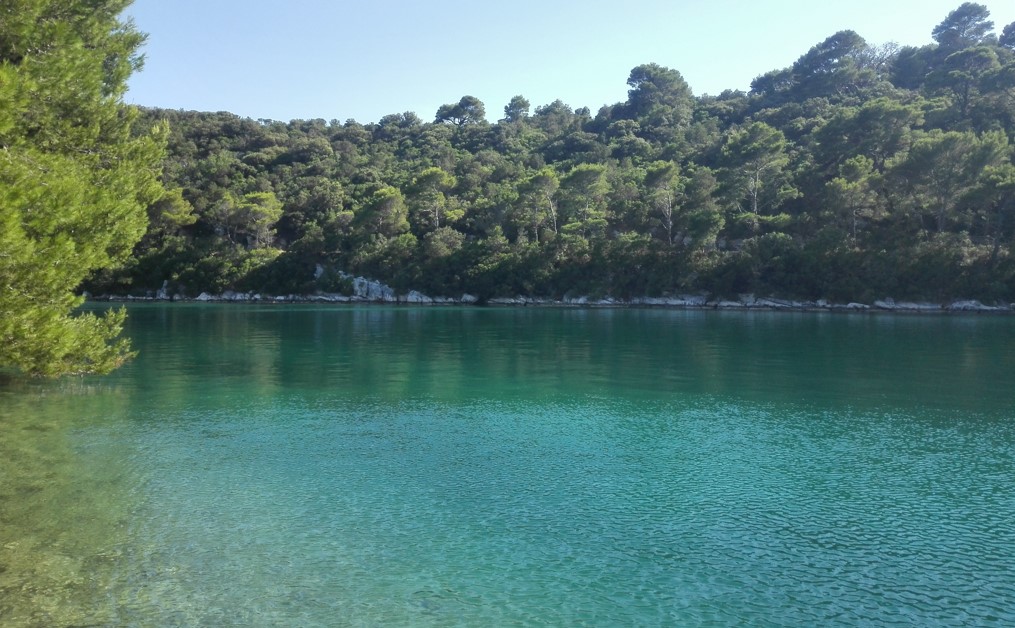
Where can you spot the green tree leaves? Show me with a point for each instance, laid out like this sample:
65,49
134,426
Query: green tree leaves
74,179
943,166
755,159
966,26
859,170
468,110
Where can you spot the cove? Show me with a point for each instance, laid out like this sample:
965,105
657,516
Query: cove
320,466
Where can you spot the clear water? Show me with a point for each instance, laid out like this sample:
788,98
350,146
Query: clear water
277,466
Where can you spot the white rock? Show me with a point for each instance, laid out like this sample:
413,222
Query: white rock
468,298
418,298
692,300
204,296
230,295
971,306
776,304
372,290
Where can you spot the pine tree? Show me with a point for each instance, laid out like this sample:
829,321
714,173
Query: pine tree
74,180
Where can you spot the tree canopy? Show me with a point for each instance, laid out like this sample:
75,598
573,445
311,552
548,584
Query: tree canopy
75,182
858,172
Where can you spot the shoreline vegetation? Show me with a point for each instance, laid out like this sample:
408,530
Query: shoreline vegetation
859,171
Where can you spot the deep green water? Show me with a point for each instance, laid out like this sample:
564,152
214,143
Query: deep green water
276,466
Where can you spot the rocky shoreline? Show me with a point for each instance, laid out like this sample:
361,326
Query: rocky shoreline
368,291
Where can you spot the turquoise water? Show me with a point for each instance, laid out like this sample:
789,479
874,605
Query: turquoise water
363,466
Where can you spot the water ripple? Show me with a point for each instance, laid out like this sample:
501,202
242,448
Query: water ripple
580,514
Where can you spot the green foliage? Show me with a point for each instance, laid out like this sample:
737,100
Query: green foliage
943,166
249,220
852,196
430,203
856,173
1007,38
516,110
468,110
659,99
755,160
966,26
74,180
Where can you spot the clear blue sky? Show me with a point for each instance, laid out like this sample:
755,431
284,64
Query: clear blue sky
363,59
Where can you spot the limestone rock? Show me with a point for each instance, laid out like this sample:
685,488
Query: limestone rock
972,306
418,298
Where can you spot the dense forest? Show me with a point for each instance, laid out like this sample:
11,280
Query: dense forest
861,171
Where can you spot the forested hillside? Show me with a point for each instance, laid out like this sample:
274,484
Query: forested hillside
859,172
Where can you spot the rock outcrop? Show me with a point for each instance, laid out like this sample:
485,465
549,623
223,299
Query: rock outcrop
372,291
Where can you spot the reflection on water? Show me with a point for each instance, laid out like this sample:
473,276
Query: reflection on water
314,466
466,353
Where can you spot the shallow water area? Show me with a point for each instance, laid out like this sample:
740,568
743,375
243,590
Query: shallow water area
299,465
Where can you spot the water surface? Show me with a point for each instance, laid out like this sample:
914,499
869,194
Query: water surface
357,466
